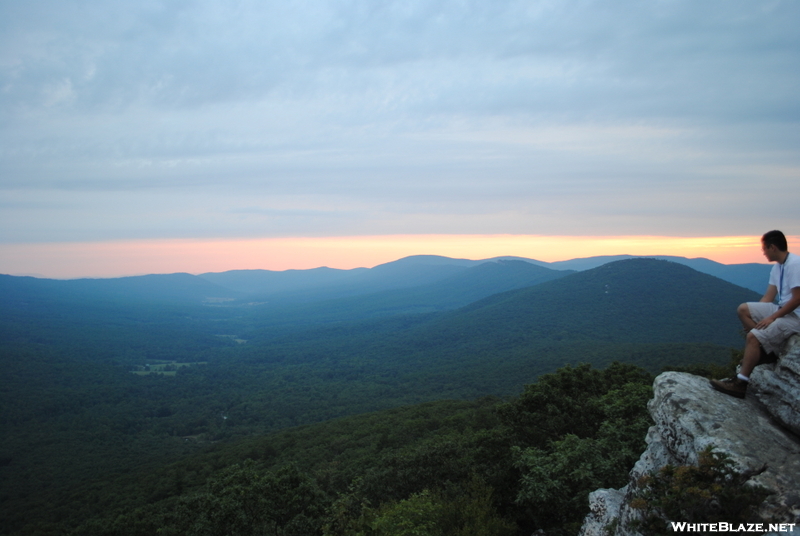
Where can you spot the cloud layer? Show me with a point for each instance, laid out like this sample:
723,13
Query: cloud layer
208,119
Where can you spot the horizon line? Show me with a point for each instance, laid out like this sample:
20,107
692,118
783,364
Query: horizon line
132,257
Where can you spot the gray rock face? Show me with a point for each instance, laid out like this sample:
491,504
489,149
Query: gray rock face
689,416
606,506
777,386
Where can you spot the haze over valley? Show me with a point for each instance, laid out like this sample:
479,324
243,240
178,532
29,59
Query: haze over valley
111,377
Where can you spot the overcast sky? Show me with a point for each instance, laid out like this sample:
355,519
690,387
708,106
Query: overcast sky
257,119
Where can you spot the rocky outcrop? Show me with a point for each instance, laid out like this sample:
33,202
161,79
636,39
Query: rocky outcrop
777,386
758,433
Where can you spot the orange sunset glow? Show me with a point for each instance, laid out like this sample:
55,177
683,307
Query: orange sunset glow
122,258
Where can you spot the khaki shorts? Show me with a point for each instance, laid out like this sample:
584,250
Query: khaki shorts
773,337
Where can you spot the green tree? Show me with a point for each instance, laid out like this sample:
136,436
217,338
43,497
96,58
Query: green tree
567,401
246,501
455,511
592,447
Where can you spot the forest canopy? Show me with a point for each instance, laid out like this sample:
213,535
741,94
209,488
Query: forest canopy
127,408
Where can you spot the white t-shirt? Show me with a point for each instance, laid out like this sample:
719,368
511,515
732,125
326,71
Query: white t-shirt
785,277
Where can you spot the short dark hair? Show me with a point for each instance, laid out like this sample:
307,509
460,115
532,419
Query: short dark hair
775,238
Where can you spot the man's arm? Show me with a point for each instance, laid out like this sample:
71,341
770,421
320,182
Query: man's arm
769,295
788,307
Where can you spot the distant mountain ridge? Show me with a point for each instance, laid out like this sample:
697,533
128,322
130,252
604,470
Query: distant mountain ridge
178,288
418,270
451,292
329,283
415,283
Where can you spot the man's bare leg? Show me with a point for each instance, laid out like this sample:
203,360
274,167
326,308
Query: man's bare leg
737,386
752,355
744,317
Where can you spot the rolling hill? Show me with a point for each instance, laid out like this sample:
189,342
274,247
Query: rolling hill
635,300
752,276
643,311
72,412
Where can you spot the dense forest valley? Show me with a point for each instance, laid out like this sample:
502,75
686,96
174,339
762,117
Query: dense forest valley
426,396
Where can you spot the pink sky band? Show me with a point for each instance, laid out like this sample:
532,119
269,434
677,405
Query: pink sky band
136,257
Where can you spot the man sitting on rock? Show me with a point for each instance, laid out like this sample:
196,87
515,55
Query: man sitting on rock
768,325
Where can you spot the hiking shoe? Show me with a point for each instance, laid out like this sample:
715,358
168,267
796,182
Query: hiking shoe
731,386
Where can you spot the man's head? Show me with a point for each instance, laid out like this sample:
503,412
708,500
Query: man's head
774,245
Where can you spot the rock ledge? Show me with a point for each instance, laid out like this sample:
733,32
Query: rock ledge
689,416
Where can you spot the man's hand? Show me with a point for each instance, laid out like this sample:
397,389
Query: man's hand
787,308
764,323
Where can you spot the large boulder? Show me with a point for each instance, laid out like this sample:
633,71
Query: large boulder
758,433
